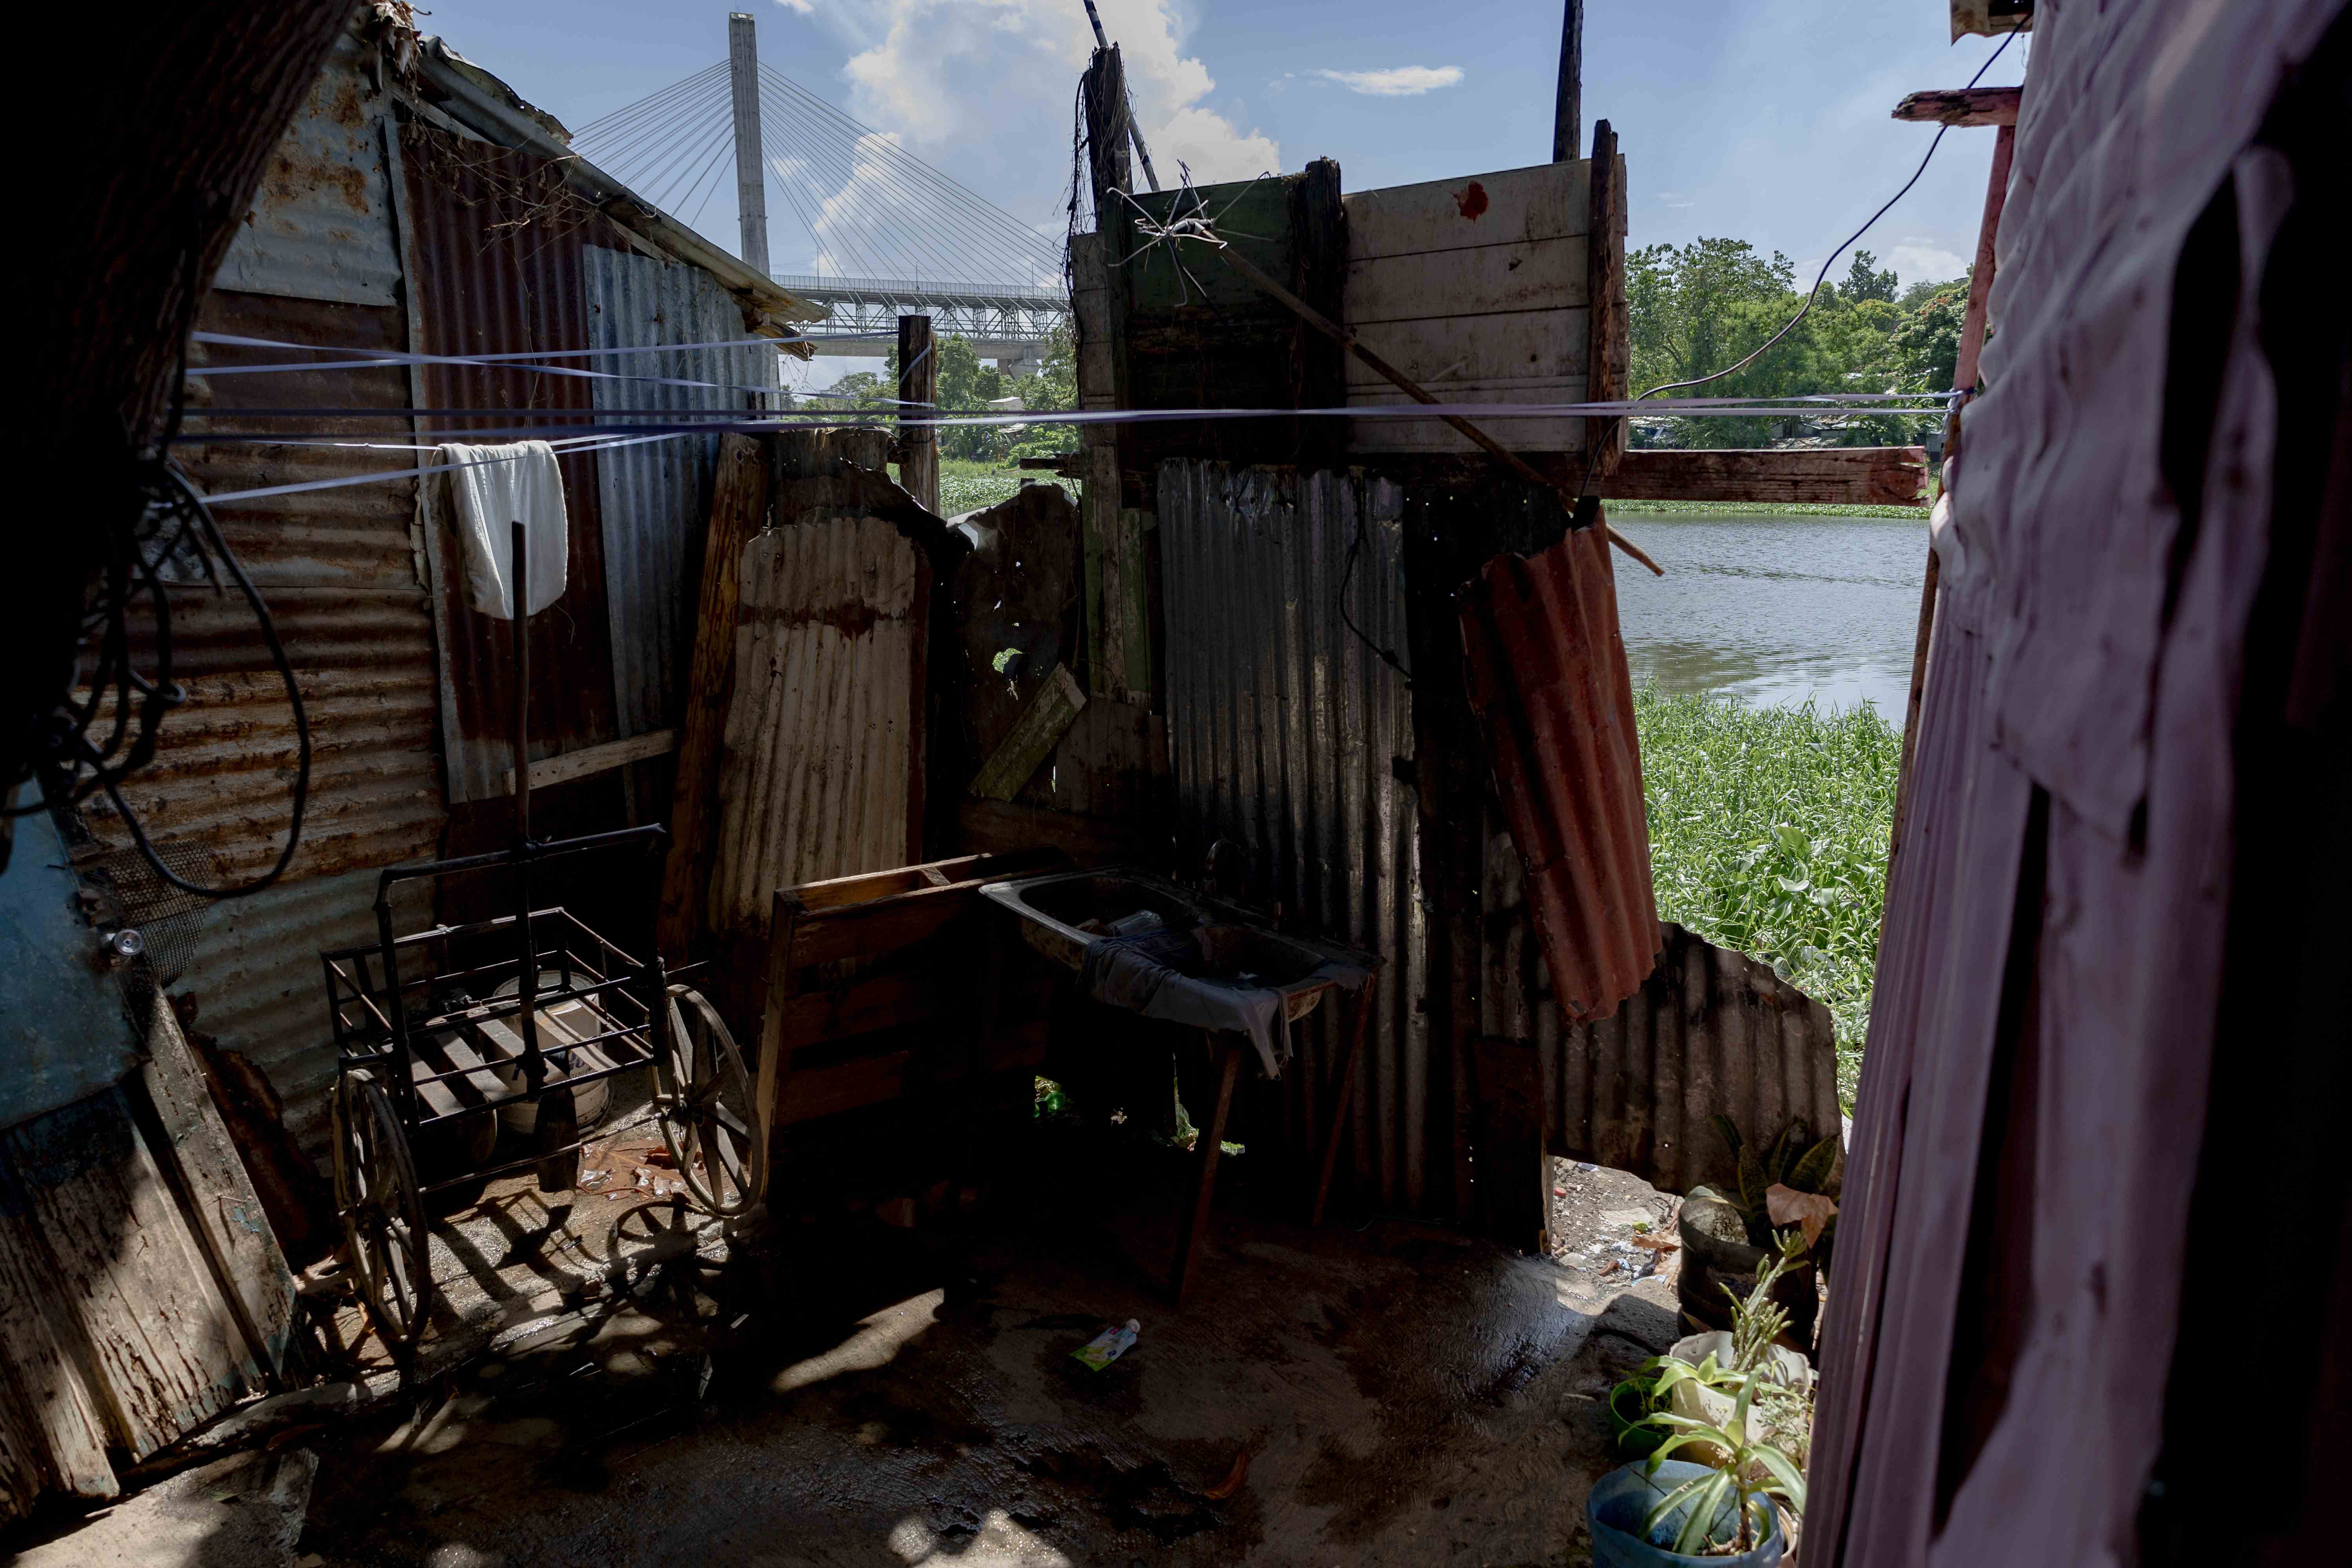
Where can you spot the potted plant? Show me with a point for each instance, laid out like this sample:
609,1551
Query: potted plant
1630,1404
1663,1511
1740,1403
1728,1235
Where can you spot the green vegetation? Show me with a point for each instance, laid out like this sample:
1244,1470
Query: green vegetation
968,386
1699,307
1768,834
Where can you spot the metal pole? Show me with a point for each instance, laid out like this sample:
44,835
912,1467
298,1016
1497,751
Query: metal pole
1568,109
534,1067
751,182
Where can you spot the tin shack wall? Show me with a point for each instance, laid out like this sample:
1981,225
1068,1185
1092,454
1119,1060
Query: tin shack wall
495,242
1287,734
654,498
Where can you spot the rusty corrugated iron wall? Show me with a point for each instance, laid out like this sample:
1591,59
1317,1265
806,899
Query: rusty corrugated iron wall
1285,734
655,498
254,977
321,225
1546,669
821,772
495,243
339,571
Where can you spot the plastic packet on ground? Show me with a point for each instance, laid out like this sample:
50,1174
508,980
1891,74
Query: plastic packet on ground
1107,1346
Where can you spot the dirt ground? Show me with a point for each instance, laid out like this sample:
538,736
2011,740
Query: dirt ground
632,1385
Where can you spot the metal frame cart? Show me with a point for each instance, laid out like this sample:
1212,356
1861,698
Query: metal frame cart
449,1028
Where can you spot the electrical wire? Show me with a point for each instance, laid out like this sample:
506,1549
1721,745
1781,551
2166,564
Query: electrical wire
1841,250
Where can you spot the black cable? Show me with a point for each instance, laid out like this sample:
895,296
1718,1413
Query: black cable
1348,621
1841,250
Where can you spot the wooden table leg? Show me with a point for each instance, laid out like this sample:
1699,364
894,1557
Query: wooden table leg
1196,1222
1342,1096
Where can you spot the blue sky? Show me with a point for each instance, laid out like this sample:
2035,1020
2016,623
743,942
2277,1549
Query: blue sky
1762,121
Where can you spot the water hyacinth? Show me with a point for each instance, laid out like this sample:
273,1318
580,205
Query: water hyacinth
1768,834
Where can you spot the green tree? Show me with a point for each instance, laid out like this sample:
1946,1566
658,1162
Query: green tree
1053,389
1862,283
1928,342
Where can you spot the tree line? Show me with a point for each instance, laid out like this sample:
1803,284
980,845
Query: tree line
1698,307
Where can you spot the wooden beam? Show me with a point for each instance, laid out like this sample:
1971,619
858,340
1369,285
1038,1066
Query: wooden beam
1962,106
1608,343
590,760
739,508
1835,475
919,384
1567,102
1033,737
1975,321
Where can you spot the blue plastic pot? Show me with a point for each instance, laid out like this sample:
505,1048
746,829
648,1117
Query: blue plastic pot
1623,1498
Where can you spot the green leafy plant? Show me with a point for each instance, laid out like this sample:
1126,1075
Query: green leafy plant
1755,1472
1789,1163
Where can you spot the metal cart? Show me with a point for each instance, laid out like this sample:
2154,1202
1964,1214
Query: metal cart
454,1028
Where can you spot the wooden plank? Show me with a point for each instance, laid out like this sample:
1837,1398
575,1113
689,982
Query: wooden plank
867,1006
1476,280
163,1349
1837,475
863,931
1548,201
1445,354
591,760
56,1431
850,1085
226,1212
739,507
1608,343
919,383
1974,320
1554,433
1087,840
1033,737
1962,106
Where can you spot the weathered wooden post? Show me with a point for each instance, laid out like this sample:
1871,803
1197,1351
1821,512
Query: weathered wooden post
919,387
1568,109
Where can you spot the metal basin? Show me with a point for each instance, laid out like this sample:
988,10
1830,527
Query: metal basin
1056,911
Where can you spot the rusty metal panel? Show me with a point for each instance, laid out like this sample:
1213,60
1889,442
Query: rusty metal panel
253,975
1284,733
1709,1030
819,772
656,498
495,242
1545,664
321,225
338,569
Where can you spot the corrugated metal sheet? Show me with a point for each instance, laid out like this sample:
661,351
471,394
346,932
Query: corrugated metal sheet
823,741
495,242
1709,1030
656,498
1284,731
253,974
321,224
2107,1027
339,571
1546,670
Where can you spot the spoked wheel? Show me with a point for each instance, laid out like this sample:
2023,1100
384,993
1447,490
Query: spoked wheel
707,1118
383,1210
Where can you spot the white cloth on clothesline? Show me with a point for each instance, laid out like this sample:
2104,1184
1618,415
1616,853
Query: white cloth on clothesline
494,487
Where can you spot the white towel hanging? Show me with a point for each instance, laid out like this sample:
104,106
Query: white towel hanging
495,488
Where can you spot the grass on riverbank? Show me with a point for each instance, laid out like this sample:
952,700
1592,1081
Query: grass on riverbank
1768,834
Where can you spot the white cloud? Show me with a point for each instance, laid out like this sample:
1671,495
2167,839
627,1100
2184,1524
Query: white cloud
994,81
805,8
1397,81
1924,261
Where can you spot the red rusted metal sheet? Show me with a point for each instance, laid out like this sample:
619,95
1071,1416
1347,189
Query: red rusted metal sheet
2057,979
495,242
339,573
1546,668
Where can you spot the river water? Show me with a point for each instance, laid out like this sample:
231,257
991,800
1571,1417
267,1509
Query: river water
1775,610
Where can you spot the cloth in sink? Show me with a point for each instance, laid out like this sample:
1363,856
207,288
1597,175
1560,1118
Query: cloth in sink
1145,973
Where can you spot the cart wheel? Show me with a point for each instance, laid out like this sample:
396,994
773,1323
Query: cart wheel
377,1195
707,1114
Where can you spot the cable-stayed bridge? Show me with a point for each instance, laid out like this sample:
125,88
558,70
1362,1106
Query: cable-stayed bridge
886,235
